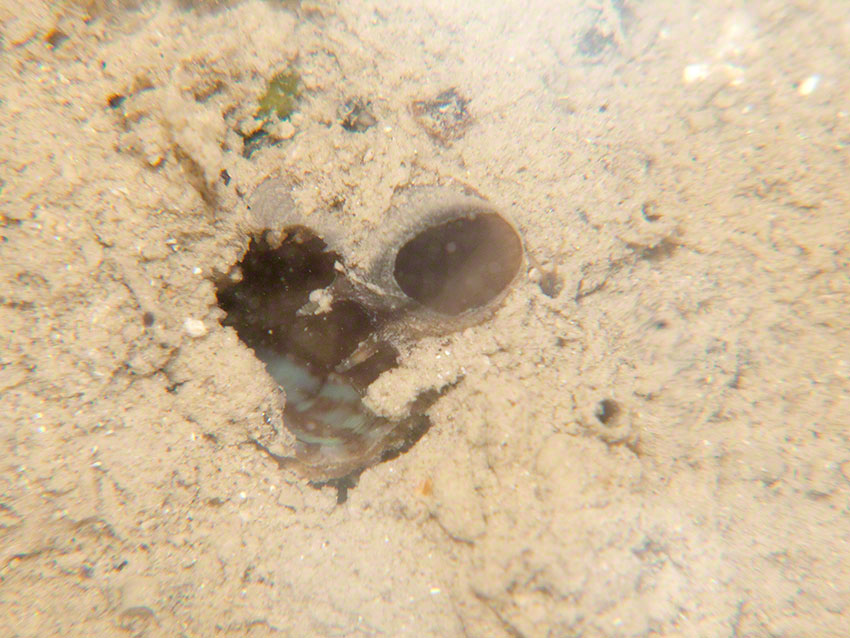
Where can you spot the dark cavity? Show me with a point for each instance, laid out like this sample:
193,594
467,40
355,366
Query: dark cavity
452,268
324,341
306,354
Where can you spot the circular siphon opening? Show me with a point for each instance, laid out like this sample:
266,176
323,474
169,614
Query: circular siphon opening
461,264
607,411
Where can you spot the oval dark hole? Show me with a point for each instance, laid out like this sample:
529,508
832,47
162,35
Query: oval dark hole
460,264
607,411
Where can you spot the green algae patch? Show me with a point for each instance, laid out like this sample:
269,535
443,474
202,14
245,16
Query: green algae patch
281,96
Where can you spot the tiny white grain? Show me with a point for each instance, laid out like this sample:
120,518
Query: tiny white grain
808,86
195,328
695,72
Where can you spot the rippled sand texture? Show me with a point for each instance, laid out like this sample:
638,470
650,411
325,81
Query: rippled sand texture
648,437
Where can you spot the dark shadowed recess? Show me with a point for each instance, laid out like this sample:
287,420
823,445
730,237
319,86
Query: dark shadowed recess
324,345
268,304
460,264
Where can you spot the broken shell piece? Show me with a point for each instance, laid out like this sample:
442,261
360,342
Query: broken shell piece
195,328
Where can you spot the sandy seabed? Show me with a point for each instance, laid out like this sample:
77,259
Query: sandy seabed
679,173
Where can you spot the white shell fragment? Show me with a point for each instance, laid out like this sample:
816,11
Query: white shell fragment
195,328
808,86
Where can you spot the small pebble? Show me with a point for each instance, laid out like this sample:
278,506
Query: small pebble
195,328
808,86
323,299
282,130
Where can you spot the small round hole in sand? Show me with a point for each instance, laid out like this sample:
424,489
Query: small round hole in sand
607,412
